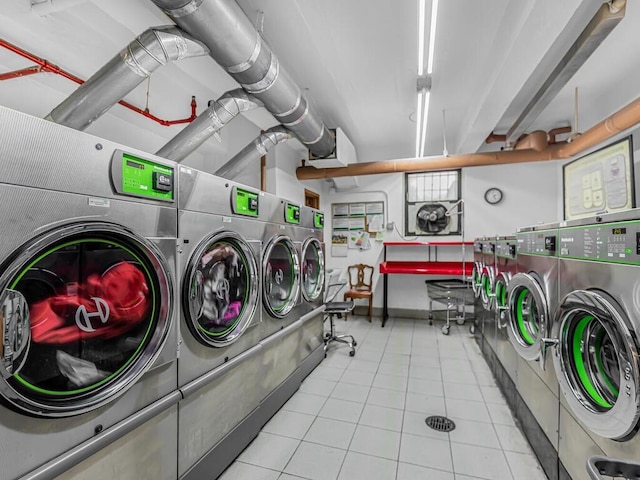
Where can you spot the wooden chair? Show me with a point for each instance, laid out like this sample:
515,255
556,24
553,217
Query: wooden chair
360,284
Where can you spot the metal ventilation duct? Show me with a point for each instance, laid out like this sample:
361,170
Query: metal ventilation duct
155,47
235,44
208,123
252,152
603,22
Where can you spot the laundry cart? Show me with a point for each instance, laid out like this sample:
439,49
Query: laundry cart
456,295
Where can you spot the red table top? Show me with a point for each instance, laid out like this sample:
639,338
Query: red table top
426,268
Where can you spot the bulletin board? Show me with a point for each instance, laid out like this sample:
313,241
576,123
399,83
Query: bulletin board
354,225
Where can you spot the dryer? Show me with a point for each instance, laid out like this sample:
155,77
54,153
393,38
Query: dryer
532,296
311,237
506,268
221,224
597,326
87,292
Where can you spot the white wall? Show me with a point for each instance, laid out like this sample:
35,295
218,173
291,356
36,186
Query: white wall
530,196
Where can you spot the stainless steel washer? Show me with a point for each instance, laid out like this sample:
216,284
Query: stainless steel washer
506,268
221,224
532,296
597,326
87,291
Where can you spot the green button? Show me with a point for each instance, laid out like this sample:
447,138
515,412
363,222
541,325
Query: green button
628,250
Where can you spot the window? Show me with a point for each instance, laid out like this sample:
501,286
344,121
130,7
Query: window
428,198
311,199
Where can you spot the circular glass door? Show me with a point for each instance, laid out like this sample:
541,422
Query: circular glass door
312,270
528,315
597,363
487,278
281,276
220,289
476,278
85,311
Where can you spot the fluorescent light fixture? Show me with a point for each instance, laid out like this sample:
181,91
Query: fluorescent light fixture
419,121
432,35
421,11
424,94
425,117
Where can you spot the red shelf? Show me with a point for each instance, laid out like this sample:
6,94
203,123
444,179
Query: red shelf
449,244
426,268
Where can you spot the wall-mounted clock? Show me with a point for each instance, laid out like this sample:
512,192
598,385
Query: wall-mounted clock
493,196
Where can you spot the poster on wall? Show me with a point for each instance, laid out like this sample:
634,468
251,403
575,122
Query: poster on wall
341,223
375,207
359,240
339,243
357,223
340,209
375,223
357,209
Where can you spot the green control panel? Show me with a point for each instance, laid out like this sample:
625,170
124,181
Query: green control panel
144,178
292,213
318,220
244,202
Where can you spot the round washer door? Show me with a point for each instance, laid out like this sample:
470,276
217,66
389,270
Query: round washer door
220,289
86,309
281,276
597,363
529,320
312,269
487,278
476,278
501,285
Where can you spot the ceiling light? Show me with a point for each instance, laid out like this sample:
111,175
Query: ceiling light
424,81
421,8
432,35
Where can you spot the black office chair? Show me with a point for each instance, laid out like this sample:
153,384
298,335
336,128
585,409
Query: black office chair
337,309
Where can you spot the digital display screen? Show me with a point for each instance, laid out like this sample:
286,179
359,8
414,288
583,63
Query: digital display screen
619,231
601,181
135,165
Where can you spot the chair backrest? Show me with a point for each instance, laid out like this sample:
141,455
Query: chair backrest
331,291
360,277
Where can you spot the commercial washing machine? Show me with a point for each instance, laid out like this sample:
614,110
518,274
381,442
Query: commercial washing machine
221,224
281,296
597,327
87,287
506,268
482,278
311,235
532,296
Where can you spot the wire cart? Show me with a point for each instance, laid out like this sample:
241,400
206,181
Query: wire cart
456,294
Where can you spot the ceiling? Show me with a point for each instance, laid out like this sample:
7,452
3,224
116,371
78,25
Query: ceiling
356,62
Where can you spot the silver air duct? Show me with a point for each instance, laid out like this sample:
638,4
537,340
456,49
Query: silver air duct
155,47
208,123
235,45
252,152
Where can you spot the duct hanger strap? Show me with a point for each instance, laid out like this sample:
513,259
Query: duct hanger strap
268,80
244,66
185,10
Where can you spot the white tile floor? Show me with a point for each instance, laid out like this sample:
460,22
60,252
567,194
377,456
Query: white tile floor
364,417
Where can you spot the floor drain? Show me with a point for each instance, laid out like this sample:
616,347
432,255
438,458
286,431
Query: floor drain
441,424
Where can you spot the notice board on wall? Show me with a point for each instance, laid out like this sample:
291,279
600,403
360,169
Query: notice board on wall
601,181
353,225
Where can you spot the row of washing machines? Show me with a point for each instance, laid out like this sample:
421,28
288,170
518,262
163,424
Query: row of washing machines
558,307
153,316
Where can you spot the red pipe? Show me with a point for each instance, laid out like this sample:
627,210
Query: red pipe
45,66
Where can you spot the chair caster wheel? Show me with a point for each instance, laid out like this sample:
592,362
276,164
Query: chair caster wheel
352,353
445,330
472,329
430,322
355,343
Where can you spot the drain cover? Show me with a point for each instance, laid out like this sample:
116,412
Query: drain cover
441,424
